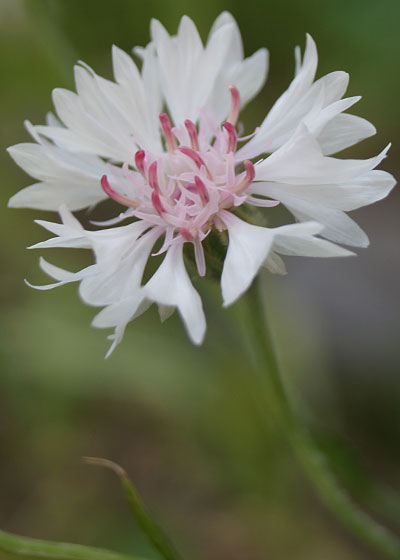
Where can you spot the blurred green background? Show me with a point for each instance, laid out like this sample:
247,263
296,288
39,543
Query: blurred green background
182,420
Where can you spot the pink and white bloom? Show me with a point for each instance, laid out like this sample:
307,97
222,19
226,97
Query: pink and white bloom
164,143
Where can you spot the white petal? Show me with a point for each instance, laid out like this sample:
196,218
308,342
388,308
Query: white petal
302,81
299,87
138,96
216,70
194,77
179,59
103,119
236,47
125,70
247,75
72,242
119,315
171,286
66,178
105,116
188,71
279,125
248,248
96,103
327,203
339,227
51,120
62,276
112,243
366,189
317,121
121,260
151,82
344,131
314,104
165,312
70,232
85,131
274,263
301,161
49,196
335,85
50,162
299,239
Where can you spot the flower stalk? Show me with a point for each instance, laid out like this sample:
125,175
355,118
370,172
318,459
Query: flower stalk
313,461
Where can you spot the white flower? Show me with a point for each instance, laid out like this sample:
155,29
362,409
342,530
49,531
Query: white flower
162,142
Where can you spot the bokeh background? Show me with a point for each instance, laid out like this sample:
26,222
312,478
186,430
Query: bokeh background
182,420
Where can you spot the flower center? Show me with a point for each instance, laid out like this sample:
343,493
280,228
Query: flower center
184,189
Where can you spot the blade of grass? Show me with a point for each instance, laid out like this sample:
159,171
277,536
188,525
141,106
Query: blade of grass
152,531
35,549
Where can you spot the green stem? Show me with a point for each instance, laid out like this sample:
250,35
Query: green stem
153,532
15,545
313,461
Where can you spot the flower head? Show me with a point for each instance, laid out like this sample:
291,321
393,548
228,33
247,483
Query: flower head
165,144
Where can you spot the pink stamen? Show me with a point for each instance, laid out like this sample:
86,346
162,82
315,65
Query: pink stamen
202,190
155,199
120,198
167,129
187,236
177,194
235,105
139,161
191,187
186,199
247,179
194,139
232,136
153,179
193,156
250,171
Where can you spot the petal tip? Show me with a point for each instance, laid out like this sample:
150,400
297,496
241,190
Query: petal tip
198,338
13,202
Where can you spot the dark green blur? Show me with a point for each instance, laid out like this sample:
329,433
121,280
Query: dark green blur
185,421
